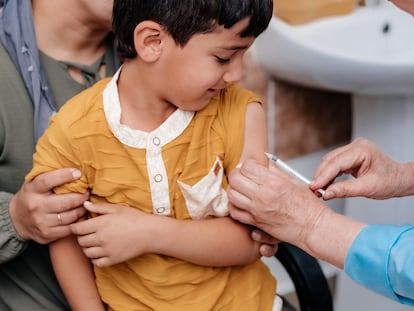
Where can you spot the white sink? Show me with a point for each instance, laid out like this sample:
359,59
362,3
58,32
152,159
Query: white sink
369,51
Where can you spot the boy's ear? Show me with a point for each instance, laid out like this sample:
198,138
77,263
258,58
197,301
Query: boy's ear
148,42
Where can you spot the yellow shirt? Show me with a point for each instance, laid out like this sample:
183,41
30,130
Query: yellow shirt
162,172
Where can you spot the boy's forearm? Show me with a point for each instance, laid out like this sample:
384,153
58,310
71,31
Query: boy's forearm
209,242
75,275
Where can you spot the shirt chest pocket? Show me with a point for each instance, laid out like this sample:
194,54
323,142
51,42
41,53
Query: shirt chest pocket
207,197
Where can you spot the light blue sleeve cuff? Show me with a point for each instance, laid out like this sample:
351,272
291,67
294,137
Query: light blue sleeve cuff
377,257
401,267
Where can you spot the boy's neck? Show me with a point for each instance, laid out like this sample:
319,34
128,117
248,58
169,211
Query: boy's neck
142,108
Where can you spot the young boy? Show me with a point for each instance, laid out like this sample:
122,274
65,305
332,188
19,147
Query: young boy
161,136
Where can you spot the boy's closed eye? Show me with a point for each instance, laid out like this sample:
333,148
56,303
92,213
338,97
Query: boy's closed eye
222,60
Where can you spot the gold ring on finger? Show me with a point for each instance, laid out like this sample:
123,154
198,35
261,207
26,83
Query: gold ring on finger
59,217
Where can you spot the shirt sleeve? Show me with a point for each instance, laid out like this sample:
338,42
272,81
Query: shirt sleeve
55,150
11,244
381,258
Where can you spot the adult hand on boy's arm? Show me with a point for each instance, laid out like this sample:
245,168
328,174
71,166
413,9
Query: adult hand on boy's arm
34,209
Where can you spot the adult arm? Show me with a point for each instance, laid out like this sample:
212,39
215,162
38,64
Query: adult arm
31,214
378,257
11,244
375,175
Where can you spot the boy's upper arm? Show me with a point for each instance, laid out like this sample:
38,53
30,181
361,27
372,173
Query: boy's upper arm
54,151
255,134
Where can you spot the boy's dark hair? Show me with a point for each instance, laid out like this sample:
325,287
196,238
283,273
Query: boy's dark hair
184,18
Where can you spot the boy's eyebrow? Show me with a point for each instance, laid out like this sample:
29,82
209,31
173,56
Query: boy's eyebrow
235,47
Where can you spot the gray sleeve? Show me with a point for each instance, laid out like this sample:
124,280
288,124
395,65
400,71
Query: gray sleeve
11,244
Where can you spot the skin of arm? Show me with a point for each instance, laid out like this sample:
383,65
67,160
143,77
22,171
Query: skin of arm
103,242
75,275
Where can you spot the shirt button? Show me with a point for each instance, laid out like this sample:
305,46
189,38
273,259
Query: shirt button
158,178
160,210
156,141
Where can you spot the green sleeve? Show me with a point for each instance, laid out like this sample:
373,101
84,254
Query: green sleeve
11,244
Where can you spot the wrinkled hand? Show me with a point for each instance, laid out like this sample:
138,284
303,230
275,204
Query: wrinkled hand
273,202
34,208
375,175
106,239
